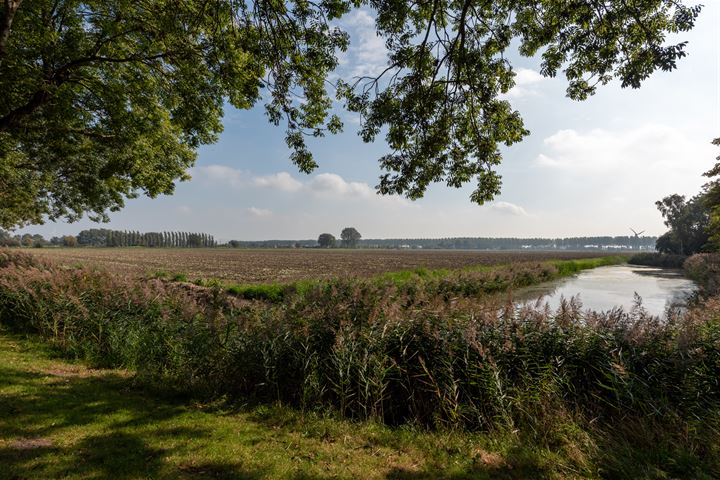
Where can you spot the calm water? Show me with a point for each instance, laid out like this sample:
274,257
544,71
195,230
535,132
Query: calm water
605,288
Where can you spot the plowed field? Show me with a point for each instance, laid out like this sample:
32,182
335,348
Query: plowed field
280,265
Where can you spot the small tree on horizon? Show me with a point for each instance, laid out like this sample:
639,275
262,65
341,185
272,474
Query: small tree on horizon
69,241
350,237
326,240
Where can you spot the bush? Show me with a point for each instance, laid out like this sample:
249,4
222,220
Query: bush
662,260
704,268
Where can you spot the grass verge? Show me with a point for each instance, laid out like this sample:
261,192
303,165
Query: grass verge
63,420
279,292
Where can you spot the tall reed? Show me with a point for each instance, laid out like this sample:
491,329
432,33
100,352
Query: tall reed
442,352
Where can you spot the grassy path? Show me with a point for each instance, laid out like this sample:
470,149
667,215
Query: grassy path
63,420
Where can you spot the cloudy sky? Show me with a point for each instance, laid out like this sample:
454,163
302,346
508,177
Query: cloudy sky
588,168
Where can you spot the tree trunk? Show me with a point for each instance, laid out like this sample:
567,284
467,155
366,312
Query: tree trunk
11,7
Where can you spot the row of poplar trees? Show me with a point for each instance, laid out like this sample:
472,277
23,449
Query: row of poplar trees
101,237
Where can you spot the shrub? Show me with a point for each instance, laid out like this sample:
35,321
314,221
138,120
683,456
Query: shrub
662,260
704,268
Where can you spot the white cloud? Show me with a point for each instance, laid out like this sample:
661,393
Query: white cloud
527,76
526,83
615,176
650,150
219,173
324,185
279,181
333,184
508,208
367,54
184,209
258,212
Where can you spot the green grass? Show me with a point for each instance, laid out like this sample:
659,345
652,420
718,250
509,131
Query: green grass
571,267
62,420
507,397
277,292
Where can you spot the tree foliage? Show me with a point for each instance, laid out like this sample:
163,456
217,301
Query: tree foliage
326,240
712,201
350,237
102,237
107,100
688,223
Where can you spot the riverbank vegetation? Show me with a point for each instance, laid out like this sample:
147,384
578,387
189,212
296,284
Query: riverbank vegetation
437,353
657,259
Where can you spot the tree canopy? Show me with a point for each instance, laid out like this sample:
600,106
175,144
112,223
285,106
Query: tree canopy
350,237
688,223
106,100
712,200
326,240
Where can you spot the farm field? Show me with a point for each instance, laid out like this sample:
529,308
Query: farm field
287,265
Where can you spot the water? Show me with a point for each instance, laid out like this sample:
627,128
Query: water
605,288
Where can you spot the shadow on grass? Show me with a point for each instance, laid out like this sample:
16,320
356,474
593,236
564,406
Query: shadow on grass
58,423
114,429
105,411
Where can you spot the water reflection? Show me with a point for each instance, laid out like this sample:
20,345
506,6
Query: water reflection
605,288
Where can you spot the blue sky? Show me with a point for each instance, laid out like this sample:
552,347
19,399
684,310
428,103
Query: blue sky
588,168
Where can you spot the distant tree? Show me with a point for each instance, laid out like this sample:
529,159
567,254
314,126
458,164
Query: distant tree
234,243
39,241
94,237
688,222
70,241
194,240
7,240
56,241
326,240
350,237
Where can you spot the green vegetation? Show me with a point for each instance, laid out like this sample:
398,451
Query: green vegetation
695,223
526,393
712,200
468,282
656,259
101,105
704,268
63,420
688,222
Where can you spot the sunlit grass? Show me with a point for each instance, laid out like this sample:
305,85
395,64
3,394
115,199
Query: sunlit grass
63,420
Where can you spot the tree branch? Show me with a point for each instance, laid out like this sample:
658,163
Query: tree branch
11,7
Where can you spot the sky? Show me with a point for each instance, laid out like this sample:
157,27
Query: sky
588,168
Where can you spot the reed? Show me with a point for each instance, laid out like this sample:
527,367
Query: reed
439,353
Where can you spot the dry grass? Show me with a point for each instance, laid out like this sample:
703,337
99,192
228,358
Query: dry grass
280,265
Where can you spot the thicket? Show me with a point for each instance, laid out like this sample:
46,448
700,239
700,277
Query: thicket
656,259
427,353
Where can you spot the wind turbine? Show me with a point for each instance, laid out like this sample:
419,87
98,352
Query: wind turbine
637,237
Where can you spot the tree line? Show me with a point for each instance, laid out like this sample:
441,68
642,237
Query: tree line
514,243
102,237
466,243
